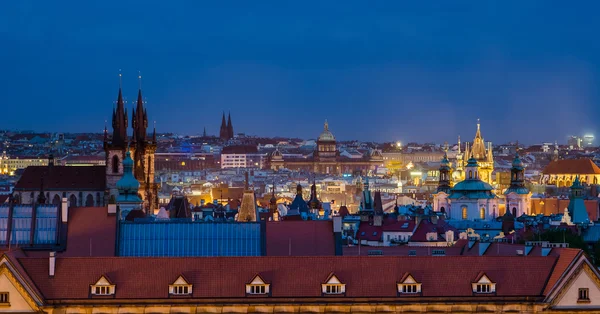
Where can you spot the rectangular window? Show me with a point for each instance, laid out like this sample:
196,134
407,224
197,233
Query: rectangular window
102,290
584,294
258,289
484,288
181,289
410,288
333,289
3,297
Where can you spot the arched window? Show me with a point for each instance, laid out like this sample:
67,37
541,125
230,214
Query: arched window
115,164
482,213
89,201
514,212
464,213
72,201
470,174
56,200
442,209
595,180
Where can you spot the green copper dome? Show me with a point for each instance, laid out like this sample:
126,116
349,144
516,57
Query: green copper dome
517,163
128,185
472,162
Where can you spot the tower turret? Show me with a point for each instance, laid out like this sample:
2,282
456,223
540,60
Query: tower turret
576,206
444,183
119,122
223,132
128,187
229,127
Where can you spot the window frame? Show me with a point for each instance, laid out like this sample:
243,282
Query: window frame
4,298
585,292
330,287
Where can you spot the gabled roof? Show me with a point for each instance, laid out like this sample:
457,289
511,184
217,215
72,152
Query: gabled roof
572,166
293,277
63,178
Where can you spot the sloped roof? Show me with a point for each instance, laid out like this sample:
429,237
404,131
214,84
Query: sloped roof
300,238
91,232
572,166
63,178
221,277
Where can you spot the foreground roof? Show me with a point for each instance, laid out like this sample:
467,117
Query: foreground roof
222,277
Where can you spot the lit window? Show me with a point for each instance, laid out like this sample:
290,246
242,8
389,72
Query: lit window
464,213
180,287
584,295
257,289
103,287
257,286
482,213
333,286
410,288
484,285
409,285
4,298
333,289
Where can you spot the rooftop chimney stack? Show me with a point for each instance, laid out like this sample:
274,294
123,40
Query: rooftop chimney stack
64,210
52,264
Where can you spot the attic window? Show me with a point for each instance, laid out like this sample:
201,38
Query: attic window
102,287
484,285
257,286
180,287
409,285
4,298
333,286
583,295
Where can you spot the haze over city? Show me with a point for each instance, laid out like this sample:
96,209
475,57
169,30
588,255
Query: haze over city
381,71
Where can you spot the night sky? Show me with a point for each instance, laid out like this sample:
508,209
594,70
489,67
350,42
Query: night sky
376,70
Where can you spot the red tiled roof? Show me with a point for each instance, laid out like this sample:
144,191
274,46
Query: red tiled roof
572,166
222,277
402,250
565,258
426,226
91,232
303,238
63,178
369,232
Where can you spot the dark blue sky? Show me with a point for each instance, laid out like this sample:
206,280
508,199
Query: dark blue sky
377,70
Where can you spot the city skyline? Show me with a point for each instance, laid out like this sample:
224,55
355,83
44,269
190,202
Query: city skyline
418,72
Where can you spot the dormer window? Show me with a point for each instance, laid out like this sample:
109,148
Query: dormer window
408,285
484,285
103,287
180,287
333,286
258,286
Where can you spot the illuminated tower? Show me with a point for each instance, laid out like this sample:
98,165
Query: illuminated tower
482,152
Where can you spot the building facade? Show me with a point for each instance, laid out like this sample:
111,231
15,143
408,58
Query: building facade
482,152
326,159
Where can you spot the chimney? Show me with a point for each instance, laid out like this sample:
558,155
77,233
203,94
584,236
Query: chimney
52,264
64,210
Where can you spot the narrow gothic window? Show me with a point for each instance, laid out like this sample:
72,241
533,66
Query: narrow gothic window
514,212
482,213
464,213
470,174
115,164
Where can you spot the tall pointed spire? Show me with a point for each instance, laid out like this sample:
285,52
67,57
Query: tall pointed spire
223,133
478,134
229,126
459,144
139,116
119,122
154,133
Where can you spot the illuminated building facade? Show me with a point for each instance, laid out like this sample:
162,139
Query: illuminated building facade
326,159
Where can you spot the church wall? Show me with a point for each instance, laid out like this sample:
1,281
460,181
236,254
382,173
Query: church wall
80,196
474,209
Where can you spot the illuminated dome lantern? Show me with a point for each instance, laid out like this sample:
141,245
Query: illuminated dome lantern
326,146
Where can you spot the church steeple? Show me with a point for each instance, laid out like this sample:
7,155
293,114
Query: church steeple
223,132
229,126
139,116
119,121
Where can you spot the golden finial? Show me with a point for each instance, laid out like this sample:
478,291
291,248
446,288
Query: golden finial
120,79
140,78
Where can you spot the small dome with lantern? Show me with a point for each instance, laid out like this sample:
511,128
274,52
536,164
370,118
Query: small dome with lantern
128,185
326,135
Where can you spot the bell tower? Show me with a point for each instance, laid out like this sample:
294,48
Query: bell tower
116,146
